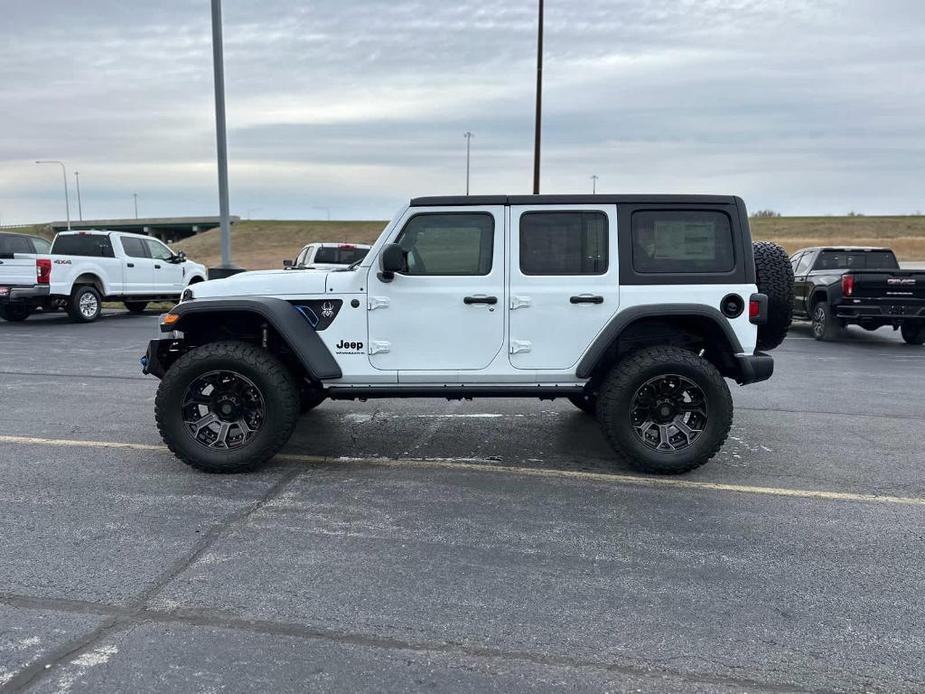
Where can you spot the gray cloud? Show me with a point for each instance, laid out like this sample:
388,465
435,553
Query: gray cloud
804,107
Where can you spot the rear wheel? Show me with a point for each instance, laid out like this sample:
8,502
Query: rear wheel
136,306
774,277
226,407
85,305
913,333
15,312
665,410
825,325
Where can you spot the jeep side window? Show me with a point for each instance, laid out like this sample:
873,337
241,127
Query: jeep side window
681,241
804,264
563,243
448,243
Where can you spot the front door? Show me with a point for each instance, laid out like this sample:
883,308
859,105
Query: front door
169,276
564,282
445,311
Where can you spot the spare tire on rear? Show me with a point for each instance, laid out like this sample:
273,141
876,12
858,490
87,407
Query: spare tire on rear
774,277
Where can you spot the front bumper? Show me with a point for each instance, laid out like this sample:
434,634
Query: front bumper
754,367
26,294
160,355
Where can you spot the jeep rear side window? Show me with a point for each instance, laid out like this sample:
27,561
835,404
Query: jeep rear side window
681,241
448,243
563,243
83,244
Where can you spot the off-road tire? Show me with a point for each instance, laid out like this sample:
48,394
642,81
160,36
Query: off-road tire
277,387
774,277
824,323
310,398
74,304
136,307
15,313
585,402
913,333
614,408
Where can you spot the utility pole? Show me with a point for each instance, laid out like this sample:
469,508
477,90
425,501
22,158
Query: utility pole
539,103
594,184
135,196
80,209
468,136
218,66
67,203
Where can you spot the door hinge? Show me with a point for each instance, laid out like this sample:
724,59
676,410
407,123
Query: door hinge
518,346
375,302
379,346
519,301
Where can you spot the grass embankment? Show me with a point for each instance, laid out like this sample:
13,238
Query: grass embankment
261,245
905,235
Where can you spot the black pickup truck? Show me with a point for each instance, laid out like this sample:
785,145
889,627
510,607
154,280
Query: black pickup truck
835,286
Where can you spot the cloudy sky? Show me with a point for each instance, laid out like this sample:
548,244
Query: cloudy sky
806,107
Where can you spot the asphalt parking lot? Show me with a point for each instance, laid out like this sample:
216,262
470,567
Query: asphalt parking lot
446,546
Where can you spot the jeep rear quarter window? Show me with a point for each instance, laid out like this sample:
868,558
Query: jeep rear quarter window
682,241
857,260
563,243
83,244
450,243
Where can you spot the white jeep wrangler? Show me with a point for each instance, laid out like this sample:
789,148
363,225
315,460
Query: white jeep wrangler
634,307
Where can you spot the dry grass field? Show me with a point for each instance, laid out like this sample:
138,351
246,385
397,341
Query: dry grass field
261,245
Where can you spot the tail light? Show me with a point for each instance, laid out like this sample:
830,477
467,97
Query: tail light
43,270
847,285
754,308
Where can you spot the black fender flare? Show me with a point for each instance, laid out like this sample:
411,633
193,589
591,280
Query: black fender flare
291,325
625,318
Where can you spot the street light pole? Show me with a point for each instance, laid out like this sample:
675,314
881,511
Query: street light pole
67,202
594,184
539,103
218,66
135,196
468,136
80,209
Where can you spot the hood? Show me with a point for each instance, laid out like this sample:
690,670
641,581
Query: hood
263,282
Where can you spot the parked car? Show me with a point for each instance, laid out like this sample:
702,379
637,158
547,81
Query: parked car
85,268
327,256
23,277
494,296
836,286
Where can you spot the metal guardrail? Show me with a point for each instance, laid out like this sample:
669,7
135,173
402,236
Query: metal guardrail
4,227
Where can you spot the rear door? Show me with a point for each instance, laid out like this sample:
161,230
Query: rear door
564,282
138,266
801,284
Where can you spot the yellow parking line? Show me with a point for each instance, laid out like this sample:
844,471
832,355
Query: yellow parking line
469,465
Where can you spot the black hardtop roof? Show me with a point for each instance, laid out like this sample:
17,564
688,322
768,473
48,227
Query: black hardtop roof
602,199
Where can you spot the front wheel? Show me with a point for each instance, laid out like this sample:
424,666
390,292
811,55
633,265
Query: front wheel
226,407
665,410
15,313
85,305
913,333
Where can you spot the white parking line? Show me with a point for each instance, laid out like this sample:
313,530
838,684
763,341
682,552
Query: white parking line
470,464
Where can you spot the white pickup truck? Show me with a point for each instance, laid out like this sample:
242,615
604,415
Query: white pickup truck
85,268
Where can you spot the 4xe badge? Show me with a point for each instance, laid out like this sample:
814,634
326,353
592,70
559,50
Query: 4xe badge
346,347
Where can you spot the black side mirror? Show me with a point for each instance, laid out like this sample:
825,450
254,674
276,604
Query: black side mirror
391,260
287,264
179,257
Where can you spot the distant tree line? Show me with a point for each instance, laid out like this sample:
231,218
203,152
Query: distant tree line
761,214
